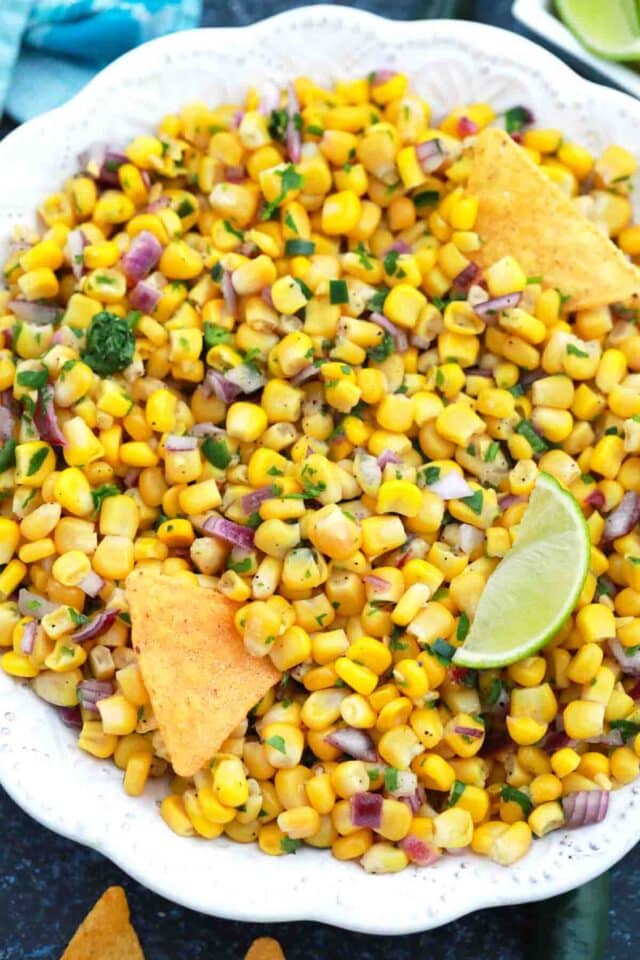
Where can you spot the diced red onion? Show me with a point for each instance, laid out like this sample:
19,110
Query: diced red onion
354,742
236,119
528,377
245,378
70,716
467,277
366,810
131,477
398,335
422,343
388,456
97,625
235,173
142,255
159,204
585,807
227,530
33,605
180,443
624,518
556,740
111,163
378,77
252,501
478,372
223,388
430,155
76,242
7,423
31,312
467,127
470,538
144,296
451,487
46,420
419,851
248,249
265,293
378,583
630,663
229,294
595,499
303,375
91,584
270,99
207,430
611,739
634,692
92,691
510,500
294,140
406,787
472,732
496,304
28,638
399,247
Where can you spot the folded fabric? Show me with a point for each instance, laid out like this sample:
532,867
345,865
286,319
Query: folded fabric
50,48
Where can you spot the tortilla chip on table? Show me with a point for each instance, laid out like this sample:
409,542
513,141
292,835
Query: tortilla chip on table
522,213
199,676
106,932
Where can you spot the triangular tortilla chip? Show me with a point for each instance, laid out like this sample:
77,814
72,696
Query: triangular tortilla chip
105,933
265,948
201,680
522,213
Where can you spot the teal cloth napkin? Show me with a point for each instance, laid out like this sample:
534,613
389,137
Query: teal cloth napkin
49,49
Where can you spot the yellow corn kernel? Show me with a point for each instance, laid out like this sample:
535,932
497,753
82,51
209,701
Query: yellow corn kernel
583,719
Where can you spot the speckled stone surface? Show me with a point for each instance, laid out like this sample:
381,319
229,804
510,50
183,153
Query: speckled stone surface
47,883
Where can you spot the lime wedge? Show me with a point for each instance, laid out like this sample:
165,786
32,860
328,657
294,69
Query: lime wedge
535,587
609,28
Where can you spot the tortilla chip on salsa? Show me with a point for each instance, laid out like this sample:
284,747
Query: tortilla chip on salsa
200,679
522,213
106,933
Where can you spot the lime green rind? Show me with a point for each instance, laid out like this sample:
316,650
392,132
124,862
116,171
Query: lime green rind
614,36
530,552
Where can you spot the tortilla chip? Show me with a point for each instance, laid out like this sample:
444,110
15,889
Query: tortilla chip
265,948
106,933
201,680
522,213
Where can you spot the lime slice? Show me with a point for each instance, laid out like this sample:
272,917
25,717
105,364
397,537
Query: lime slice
609,28
535,587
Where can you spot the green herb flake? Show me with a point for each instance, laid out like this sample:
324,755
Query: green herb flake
299,248
390,779
307,291
516,118
492,451
110,344
383,349
426,198
526,429
314,130
289,845
216,452
37,460
277,743
242,566
463,627
474,502
574,351
627,728
290,180
442,650
431,475
78,619
456,792
32,379
495,691
101,493
363,256
8,455
238,234
213,335
338,292
512,795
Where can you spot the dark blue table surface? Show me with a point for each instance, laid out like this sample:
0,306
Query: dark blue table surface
47,883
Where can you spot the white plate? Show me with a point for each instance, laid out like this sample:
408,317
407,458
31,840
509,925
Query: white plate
539,16
450,63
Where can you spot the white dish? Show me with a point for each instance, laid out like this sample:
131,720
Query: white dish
538,16
450,62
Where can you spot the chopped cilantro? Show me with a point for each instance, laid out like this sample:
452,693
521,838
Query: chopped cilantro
37,460
517,390
373,773
242,566
216,274
8,455
78,619
442,650
426,198
101,493
516,118
526,429
33,379
254,520
474,502
338,292
390,263
277,743
495,691
307,291
363,256
251,357
185,207
299,248
213,335
376,303
124,616
492,451
289,845
574,351
383,349
391,779
278,122
395,643
512,795
431,475
110,344
290,180
314,130
216,452
456,792
463,627
232,230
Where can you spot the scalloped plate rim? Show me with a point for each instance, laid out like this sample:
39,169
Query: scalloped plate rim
460,884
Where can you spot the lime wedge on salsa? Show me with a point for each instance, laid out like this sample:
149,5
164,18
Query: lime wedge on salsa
608,28
532,591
